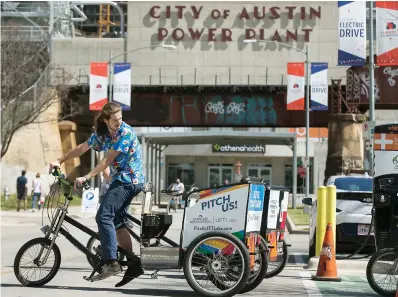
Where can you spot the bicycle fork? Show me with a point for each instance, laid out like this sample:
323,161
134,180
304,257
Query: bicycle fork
56,226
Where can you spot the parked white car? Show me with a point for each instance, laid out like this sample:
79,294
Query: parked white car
353,213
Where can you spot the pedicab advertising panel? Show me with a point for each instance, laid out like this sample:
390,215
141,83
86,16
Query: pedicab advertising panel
255,207
218,209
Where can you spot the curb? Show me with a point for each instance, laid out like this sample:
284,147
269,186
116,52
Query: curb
292,228
345,264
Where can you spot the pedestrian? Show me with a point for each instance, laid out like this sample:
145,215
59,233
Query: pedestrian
123,155
226,182
36,191
22,190
180,188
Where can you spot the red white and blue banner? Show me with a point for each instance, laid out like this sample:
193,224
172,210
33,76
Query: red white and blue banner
122,84
295,86
319,86
352,33
387,33
98,85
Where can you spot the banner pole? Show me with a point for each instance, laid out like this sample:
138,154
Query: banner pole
371,82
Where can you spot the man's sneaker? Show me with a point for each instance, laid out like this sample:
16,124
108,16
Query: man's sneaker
132,272
108,271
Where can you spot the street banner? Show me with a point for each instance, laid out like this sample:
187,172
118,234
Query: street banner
352,33
295,89
122,85
387,33
319,86
98,85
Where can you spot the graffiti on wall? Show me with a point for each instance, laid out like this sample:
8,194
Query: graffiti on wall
386,87
239,110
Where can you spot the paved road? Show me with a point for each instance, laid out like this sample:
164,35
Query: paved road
16,229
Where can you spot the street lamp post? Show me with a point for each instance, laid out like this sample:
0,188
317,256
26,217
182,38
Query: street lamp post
167,46
307,105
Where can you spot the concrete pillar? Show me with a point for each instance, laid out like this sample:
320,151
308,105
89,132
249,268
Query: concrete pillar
67,131
345,144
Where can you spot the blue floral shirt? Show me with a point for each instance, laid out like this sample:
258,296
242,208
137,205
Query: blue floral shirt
127,166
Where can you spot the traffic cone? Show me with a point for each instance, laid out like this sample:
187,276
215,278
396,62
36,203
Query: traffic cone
327,270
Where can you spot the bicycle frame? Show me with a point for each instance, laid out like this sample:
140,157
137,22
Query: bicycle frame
56,228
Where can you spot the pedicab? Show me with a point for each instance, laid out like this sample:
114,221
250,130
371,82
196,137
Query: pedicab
219,241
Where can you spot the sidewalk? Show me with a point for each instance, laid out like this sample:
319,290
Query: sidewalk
73,211
294,229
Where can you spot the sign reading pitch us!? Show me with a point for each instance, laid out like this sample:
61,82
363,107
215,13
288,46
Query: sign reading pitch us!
253,20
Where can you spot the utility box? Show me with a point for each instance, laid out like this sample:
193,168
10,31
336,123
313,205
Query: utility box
385,186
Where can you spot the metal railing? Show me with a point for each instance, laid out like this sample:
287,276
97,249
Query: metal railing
26,33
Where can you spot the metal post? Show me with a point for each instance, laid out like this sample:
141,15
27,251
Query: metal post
152,159
110,76
371,83
92,167
147,161
307,123
156,171
143,155
294,172
158,185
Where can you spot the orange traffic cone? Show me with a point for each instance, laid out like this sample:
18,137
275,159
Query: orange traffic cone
327,270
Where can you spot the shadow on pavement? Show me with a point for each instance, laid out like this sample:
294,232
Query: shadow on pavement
82,269
144,292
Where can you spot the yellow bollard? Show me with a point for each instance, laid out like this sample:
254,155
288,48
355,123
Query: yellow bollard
331,210
320,219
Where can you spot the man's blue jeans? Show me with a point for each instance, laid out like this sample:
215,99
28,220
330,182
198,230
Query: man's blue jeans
111,215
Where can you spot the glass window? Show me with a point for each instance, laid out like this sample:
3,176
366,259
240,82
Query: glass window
353,184
218,173
184,171
289,176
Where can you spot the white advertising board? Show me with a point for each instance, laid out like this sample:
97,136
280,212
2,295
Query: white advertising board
222,209
273,210
255,208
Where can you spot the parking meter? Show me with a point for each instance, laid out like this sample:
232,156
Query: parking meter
385,186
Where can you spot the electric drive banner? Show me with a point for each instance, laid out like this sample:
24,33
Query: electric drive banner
387,33
295,89
319,86
122,84
98,85
352,33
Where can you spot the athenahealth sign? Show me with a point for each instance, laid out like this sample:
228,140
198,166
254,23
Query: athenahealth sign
231,148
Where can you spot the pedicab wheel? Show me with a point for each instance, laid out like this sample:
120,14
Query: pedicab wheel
94,246
276,267
209,256
257,276
27,265
381,267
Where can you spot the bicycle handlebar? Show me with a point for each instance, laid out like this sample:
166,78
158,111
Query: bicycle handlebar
61,177
171,192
